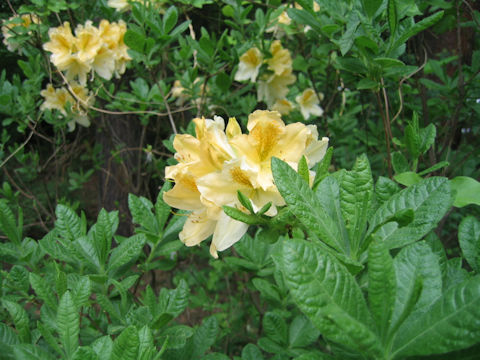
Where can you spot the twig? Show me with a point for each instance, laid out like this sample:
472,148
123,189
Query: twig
20,147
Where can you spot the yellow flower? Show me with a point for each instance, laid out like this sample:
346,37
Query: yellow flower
58,99
182,94
249,65
274,87
281,60
88,42
283,106
217,163
8,30
308,102
61,44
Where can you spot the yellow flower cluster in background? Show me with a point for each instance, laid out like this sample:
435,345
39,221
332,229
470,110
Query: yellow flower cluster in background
101,50
8,30
218,162
58,99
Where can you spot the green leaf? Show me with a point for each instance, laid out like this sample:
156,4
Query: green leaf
412,138
467,191
408,178
305,205
134,40
85,248
103,347
348,38
430,200
145,341
356,190
68,322
8,336
174,301
178,335
239,215
275,328
251,352
204,337
81,291
414,263
84,353
68,223
245,201
18,279
267,289
7,223
392,17
126,252
469,239
427,138
371,6
170,19
49,338
141,209
381,285
43,290
304,17
303,170
433,168
31,352
385,189
162,209
329,295
103,231
301,332
399,162
20,319
321,171
415,29
451,323
125,346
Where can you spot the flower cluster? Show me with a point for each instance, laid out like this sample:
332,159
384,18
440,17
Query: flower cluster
273,85
101,50
8,29
60,98
218,162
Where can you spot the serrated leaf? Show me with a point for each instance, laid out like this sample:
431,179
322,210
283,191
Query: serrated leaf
81,291
84,353
245,201
392,16
429,200
451,323
31,352
329,295
20,319
176,300
321,170
348,38
416,261
356,191
469,239
68,321
270,346
125,346
145,340
385,189
85,249
134,40
141,209
303,170
43,290
107,306
275,328
103,231
49,338
204,337
18,278
7,335
68,223
381,285
178,336
126,252
412,138
305,205
8,224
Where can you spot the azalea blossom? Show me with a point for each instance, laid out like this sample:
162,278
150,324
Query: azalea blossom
9,28
308,102
99,49
249,65
58,99
274,87
281,60
283,106
218,162
282,20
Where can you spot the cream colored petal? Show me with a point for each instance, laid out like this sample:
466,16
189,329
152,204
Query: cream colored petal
316,150
184,194
197,228
233,129
227,232
104,63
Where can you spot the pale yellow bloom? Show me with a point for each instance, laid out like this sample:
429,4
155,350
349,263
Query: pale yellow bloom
281,60
274,87
282,20
182,94
316,7
308,102
99,49
9,29
283,106
249,65
217,163
58,99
